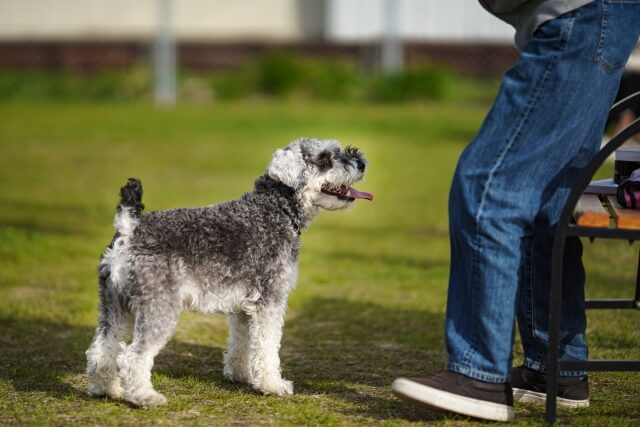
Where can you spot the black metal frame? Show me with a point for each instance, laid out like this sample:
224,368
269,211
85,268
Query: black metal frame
565,229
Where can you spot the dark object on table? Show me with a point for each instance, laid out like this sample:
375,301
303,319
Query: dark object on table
627,160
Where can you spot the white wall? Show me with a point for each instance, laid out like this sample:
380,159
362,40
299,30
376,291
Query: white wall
127,19
351,20
348,20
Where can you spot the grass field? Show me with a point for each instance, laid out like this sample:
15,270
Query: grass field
370,300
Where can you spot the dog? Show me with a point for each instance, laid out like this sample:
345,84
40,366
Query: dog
238,258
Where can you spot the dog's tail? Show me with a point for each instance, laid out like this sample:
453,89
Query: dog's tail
130,207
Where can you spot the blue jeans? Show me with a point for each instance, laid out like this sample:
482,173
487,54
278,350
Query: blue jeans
510,186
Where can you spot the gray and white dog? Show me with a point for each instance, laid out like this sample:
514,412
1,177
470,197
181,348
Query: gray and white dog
238,258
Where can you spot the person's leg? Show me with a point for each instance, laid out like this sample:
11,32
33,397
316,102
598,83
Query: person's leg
551,107
529,381
535,274
618,36
552,104
533,298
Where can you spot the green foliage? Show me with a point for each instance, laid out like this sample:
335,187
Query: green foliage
330,80
426,82
228,86
276,74
32,85
279,75
108,85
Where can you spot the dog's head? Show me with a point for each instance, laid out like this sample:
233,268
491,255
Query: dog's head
320,172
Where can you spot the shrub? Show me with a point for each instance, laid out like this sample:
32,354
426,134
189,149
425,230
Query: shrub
278,74
233,85
32,85
36,85
426,82
329,80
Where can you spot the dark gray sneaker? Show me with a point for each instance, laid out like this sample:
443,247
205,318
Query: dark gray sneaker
531,386
453,392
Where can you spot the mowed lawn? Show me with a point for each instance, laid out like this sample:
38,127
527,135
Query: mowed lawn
370,300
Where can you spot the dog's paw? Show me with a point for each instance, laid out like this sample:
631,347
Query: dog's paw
234,373
146,399
114,390
235,377
278,387
96,391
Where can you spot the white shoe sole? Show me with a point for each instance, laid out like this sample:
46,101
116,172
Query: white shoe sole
528,396
443,400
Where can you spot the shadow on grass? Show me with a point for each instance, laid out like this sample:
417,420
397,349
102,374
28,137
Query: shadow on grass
352,351
37,356
349,352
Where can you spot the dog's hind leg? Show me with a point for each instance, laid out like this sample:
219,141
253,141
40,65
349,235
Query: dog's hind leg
153,329
265,333
113,326
154,325
236,358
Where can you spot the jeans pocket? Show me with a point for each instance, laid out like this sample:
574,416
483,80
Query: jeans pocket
618,33
551,37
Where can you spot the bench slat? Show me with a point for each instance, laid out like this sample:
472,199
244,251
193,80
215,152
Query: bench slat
625,218
590,212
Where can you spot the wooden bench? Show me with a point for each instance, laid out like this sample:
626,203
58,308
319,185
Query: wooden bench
603,210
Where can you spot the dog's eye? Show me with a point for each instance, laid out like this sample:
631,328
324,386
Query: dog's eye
324,160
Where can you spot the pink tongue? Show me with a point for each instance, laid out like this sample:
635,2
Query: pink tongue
359,194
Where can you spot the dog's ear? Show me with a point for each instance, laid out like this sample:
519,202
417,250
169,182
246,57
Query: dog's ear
287,166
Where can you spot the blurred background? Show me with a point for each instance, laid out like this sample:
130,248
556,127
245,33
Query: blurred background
208,50
193,97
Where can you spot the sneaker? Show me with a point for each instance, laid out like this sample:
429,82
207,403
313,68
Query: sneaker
531,386
457,393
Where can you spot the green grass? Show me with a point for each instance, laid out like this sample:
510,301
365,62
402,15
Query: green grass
370,300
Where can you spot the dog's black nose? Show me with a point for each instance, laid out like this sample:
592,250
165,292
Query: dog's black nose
361,165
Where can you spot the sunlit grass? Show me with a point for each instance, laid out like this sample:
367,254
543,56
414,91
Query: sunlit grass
370,300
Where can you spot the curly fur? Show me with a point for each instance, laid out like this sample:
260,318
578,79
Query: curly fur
238,257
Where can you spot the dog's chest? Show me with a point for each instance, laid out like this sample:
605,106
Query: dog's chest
212,298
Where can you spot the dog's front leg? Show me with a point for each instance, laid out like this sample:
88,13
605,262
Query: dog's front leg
265,333
236,358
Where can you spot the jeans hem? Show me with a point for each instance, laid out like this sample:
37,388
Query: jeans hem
542,368
475,374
